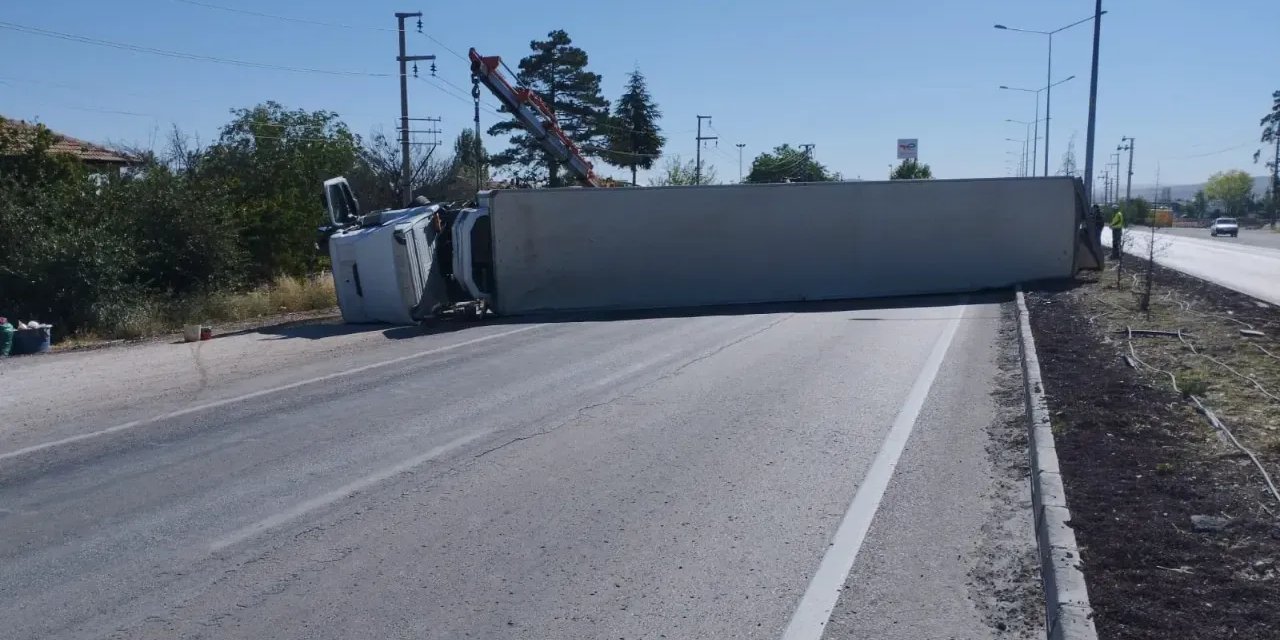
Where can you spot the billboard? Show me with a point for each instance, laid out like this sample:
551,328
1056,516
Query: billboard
907,148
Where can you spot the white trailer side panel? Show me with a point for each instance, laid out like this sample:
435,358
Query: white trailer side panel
564,249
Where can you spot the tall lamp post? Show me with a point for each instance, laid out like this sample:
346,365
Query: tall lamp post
1036,136
1022,158
1048,96
1026,145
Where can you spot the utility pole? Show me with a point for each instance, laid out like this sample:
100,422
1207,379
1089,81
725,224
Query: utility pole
808,149
406,170
1115,161
1106,187
740,145
1128,146
697,169
1093,102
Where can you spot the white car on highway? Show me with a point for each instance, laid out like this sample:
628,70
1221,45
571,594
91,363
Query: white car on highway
1224,227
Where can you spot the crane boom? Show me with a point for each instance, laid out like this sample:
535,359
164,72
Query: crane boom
534,115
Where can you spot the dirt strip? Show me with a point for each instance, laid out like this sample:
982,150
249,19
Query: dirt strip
1178,531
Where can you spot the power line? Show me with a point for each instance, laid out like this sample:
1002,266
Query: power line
178,54
318,23
445,47
1214,153
461,98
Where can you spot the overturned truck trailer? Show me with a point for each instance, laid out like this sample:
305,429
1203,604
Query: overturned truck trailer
529,251
568,249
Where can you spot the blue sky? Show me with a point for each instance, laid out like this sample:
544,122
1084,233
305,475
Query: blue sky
1187,79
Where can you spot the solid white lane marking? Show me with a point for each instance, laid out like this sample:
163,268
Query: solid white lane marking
814,611
242,534
256,394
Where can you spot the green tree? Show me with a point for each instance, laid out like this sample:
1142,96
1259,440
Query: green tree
1199,205
910,169
1136,211
469,157
634,138
676,172
1233,188
1271,135
271,160
67,261
788,164
182,229
557,72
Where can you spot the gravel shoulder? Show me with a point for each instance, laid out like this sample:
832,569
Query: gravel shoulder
64,393
1178,531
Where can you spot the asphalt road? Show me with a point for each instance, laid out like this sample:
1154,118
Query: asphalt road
713,476
1255,237
1247,264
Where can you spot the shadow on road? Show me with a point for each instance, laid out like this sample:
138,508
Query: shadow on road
333,328
812,306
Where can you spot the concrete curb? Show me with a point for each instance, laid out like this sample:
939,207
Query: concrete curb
1068,615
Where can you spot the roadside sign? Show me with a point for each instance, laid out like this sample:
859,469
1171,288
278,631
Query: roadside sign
907,148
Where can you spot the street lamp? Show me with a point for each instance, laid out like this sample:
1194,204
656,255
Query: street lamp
1048,76
1026,142
1022,160
1036,138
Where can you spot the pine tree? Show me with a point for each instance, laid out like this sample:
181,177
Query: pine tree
557,72
634,138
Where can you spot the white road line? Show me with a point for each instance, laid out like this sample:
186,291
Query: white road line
814,611
256,394
242,534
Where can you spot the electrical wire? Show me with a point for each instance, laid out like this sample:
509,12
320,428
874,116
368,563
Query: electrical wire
178,54
1214,153
318,23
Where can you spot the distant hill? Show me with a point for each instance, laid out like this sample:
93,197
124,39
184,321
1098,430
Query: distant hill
1188,191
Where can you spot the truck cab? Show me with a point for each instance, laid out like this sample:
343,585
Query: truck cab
404,266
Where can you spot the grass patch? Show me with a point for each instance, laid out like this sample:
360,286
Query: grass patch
1210,320
150,317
